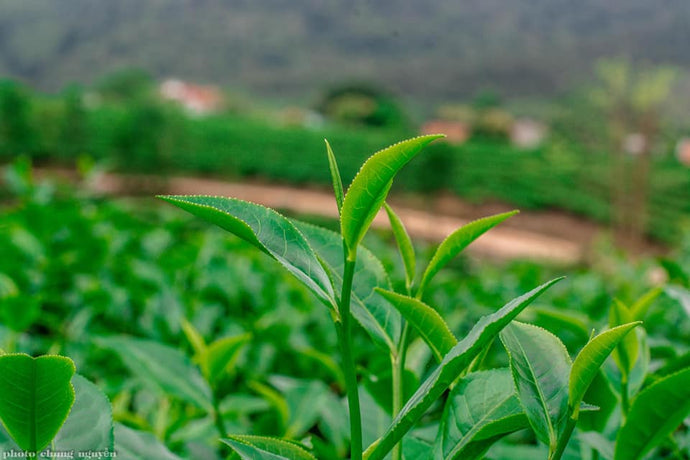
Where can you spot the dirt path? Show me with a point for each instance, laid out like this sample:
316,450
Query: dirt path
427,219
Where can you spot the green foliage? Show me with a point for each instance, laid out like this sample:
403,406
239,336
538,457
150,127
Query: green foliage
260,448
37,395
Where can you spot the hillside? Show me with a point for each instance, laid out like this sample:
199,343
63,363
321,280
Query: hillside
293,48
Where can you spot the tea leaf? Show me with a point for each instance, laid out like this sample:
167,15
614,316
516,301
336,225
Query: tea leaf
37,395
588,362
269,231
483,405
89,426
368,190
459,357
404,244
654,414
626,352
378,318
139,445
163,368
640,308
221,355
457,241
425,320
263,448
540,365
335,177
194,338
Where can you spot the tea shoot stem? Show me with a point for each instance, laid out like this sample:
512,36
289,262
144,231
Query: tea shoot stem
348,364
398,365
563,440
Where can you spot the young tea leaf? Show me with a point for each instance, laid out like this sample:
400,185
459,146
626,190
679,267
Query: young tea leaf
267,230
540,365
221,355
426,321
335,177
483,405
640,308
404,245
368,190
456,242
626,352
589,361
455,361
263,448
36,395
654,415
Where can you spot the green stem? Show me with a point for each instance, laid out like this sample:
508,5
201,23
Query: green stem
348,364
398,365
563,440
625,404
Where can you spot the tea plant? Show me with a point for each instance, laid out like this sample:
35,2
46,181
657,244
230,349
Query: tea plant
351,283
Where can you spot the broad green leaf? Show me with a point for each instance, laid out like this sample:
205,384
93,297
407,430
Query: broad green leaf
654,415
36,397
457,360
626,352
263,448
417,449
368,190
601,394
222,354
426,321
404,245
304,399
163,368
378,318
540,365
89,426
557,319
275,399
267,230
483,405
456,242
335,177
139,445
640,308
589,361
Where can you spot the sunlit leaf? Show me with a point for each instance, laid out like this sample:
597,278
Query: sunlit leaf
335,177
404,245
263,448
368,190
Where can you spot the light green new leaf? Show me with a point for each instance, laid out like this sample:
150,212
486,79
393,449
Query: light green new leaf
455,361
36,395
378,318
626,352
404,245
640,308
654,415
335,177
370,186
267,230
163,368
540,365
89,426
426,321
589,361
483,405
139,445
263,448
221,355
194,338
456,242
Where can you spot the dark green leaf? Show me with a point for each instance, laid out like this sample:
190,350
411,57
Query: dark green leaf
267,230
540,365
36,397
654,415
450,368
